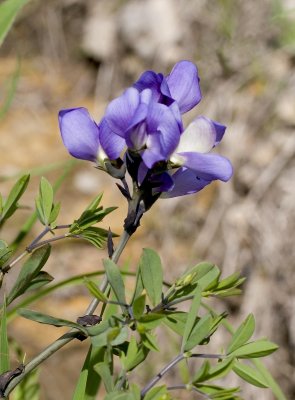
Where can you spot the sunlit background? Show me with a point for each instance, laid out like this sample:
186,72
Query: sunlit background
70,53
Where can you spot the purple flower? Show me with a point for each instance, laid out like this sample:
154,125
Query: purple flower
148,128
180,86
197,167
161,157
81,136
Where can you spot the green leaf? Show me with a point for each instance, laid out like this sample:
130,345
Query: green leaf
243,334
136,354
94,203
29,272
191,317
220,369
42,279
15,194
46,199
138,286
176,321
272,384
49,320
210,279
156,393
116,281
95,291
149,341
231,281
11,89
5,253
249,374
4,346
259,348
28,388
54,213
202,372
96,236
138,306
8,12
151,320
199,332
89,380
152,275
104,372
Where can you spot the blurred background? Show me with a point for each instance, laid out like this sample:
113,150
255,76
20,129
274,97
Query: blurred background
69,53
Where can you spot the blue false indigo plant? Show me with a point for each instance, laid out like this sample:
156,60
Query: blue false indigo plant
142,143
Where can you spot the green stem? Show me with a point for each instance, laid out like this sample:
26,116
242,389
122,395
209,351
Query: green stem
69,336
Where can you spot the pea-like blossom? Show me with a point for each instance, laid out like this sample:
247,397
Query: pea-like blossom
145,122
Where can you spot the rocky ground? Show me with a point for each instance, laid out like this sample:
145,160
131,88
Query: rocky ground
83,53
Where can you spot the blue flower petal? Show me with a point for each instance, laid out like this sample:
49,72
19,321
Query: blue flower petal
220,130
120,112
111,143
163,127
183,83
80,133
208,166
186,181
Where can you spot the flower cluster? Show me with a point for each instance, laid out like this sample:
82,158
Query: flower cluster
142,129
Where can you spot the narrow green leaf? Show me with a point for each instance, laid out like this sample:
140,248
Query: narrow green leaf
46,198
42,279
29,223
230,281
220,369
138,306
138,286
49,320
210,279
156,393
149,341
272,384
16,192
176,321
89,380
243,334
95,291
8,12
249,374
199,332
11,89
151,320
136,354
115,279
152,275
202,373
94,235
39,210
192,315
54,213
29,272
5,252
4,347
104,372
95,202
259,348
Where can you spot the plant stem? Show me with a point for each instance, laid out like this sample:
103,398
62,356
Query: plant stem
115,257
191,388
163,371
69,336
171,364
